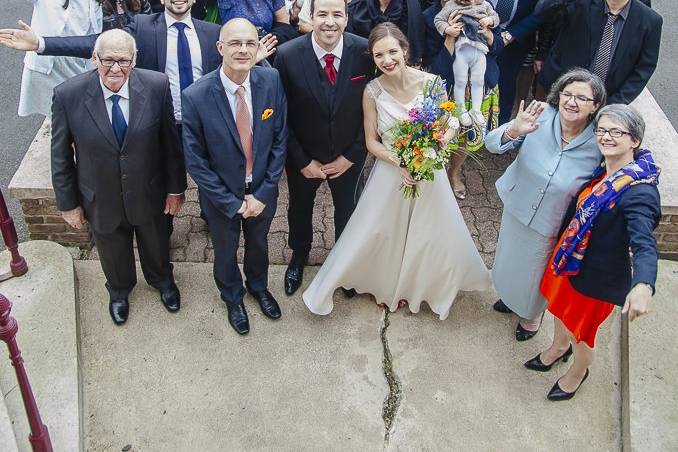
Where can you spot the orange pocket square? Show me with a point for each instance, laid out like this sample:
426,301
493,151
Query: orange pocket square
267,114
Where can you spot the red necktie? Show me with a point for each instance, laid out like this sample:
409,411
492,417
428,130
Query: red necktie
329,69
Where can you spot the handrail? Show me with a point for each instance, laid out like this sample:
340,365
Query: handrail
39,436
17,266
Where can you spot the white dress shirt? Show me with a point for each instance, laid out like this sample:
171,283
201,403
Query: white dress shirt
172,62
123,102
320,52
230,87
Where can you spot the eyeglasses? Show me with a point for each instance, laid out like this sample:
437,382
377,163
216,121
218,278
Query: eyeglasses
110,62
249,45
577,98
614,133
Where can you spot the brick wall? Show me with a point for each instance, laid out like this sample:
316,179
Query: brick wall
667,237
44,222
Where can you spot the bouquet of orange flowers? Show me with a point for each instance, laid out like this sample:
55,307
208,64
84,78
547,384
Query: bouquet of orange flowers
424,142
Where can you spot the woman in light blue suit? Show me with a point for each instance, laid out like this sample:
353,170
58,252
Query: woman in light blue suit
557,153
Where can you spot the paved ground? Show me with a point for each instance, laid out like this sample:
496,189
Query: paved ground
187,382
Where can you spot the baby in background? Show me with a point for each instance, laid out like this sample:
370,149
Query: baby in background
470,50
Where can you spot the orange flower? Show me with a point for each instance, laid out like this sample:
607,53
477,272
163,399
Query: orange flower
435,124
267,114
448,105
436,135
417,151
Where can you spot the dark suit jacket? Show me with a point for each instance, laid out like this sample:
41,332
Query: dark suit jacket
150,33
635,58
605,272
320,129
214,156
91,170
439,60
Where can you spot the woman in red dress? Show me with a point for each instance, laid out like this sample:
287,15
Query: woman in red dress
590,270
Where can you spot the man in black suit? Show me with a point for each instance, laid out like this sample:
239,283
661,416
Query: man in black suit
117,164
235,134
616,39
324,74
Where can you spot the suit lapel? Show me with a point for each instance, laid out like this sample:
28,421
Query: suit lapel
203,40
309,62
137,104
258,97
224,108
344,75
161,41
96,107
597,21
628,34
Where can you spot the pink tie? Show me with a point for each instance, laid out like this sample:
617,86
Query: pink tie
242,122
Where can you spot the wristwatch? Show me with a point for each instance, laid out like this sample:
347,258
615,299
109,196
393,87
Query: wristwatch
506,36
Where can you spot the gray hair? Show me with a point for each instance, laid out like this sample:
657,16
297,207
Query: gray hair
578,75
627,116
116,37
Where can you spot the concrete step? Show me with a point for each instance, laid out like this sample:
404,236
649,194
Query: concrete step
43,304
7,438
187,382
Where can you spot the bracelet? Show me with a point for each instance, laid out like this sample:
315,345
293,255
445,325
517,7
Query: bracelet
508,135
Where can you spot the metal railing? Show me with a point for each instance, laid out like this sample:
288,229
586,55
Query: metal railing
17,265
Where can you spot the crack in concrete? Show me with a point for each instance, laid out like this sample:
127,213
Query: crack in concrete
392,400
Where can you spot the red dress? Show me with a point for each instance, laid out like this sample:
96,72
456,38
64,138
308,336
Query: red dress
582,315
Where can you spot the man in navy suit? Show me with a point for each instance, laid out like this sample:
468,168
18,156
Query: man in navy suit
235,137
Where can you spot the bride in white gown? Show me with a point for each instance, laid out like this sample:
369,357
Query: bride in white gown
416,249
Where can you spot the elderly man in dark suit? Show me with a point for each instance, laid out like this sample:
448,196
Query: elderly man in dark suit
618,40
234,135
117,164
324,73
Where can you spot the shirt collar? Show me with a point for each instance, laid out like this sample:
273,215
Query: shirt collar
230,86
171,20
624,13
123,92
320,52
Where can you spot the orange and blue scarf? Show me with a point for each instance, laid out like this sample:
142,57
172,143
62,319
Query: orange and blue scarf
570,254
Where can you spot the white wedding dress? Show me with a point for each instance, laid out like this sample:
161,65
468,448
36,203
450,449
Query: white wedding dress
401,249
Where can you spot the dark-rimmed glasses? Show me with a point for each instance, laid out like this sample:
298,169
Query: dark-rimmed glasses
614,133
110,62
577,98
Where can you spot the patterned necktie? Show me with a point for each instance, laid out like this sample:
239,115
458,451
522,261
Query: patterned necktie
118,120
183,57
504,9
602,62
242,123
329,69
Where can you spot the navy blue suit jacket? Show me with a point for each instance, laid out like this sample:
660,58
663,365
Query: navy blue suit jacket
150,33
605,272
212,149
439,60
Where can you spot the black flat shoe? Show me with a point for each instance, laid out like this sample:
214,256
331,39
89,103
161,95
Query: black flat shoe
119,310
499,306
237,317
171,298
269,306
556,394
537,364
348,293
294,274
523,335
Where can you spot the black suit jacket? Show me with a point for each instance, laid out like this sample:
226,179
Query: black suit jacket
91,170
150,33
635,57
605,272
320,129
212,148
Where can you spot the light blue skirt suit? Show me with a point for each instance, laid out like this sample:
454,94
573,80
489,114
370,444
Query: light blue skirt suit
536,190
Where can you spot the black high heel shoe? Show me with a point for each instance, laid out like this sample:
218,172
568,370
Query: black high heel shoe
537,364
499,306
523,335
556,394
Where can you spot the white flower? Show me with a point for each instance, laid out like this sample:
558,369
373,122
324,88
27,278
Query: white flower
430,153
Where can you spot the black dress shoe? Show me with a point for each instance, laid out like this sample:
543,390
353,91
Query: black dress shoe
267,302
523,335
237,317
556,394
537,364
171,298
119,310
294,274
348,293
499,306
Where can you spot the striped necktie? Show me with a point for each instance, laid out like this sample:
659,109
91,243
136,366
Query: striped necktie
602,62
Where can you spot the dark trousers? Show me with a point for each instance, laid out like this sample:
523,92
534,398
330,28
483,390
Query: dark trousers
510,62
116,254
225,234
345,193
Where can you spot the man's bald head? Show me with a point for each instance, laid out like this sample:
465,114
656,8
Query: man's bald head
237,25
238,44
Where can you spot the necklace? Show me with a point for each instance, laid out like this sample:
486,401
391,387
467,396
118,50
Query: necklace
564,140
